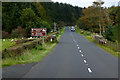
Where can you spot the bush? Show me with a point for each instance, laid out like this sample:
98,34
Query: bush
5,35
108,34
18,33
12,52
116,33
17,50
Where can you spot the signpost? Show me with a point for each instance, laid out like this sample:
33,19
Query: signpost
38,32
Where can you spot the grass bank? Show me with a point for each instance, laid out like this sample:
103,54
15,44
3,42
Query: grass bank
7,43
90,37
33,55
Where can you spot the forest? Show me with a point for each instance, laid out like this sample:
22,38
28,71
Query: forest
19,17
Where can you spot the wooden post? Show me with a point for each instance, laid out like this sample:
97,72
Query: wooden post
37,39
43,42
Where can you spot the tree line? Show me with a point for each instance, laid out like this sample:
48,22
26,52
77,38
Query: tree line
102,20
27,15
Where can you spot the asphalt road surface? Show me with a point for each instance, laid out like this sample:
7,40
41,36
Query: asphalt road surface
73,57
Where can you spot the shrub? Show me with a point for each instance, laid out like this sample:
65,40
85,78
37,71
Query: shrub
18,33
116,33
108,34
12,52
5,35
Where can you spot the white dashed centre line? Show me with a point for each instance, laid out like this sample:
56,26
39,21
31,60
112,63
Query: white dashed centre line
82,55
89,70
85,61
80,50
78,47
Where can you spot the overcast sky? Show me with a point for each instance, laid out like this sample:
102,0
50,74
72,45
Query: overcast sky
86,3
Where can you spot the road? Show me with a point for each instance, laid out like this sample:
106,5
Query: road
73,57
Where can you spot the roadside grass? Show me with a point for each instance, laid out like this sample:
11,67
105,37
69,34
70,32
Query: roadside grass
7,43
29,56
91,39
33,55
109,50
0,44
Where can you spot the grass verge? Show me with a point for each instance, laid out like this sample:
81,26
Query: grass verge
33,55
7,43
91,39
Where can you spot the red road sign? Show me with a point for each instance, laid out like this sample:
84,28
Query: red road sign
38,32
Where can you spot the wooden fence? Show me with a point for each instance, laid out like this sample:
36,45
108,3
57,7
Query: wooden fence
112,45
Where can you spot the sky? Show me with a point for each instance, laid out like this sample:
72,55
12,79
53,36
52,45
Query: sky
86,3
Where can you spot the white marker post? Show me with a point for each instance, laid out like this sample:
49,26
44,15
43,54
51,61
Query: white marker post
50,39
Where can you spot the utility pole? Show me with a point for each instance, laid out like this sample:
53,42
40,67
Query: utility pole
119,3
100,28
54,27
99,20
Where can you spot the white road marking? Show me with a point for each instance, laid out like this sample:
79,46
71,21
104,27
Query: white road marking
89,70
82,55
74,41
78,47
80,51
85,61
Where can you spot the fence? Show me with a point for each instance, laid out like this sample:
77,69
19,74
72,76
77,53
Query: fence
19,49
113,45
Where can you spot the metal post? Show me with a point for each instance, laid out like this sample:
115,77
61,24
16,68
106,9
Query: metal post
43,41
